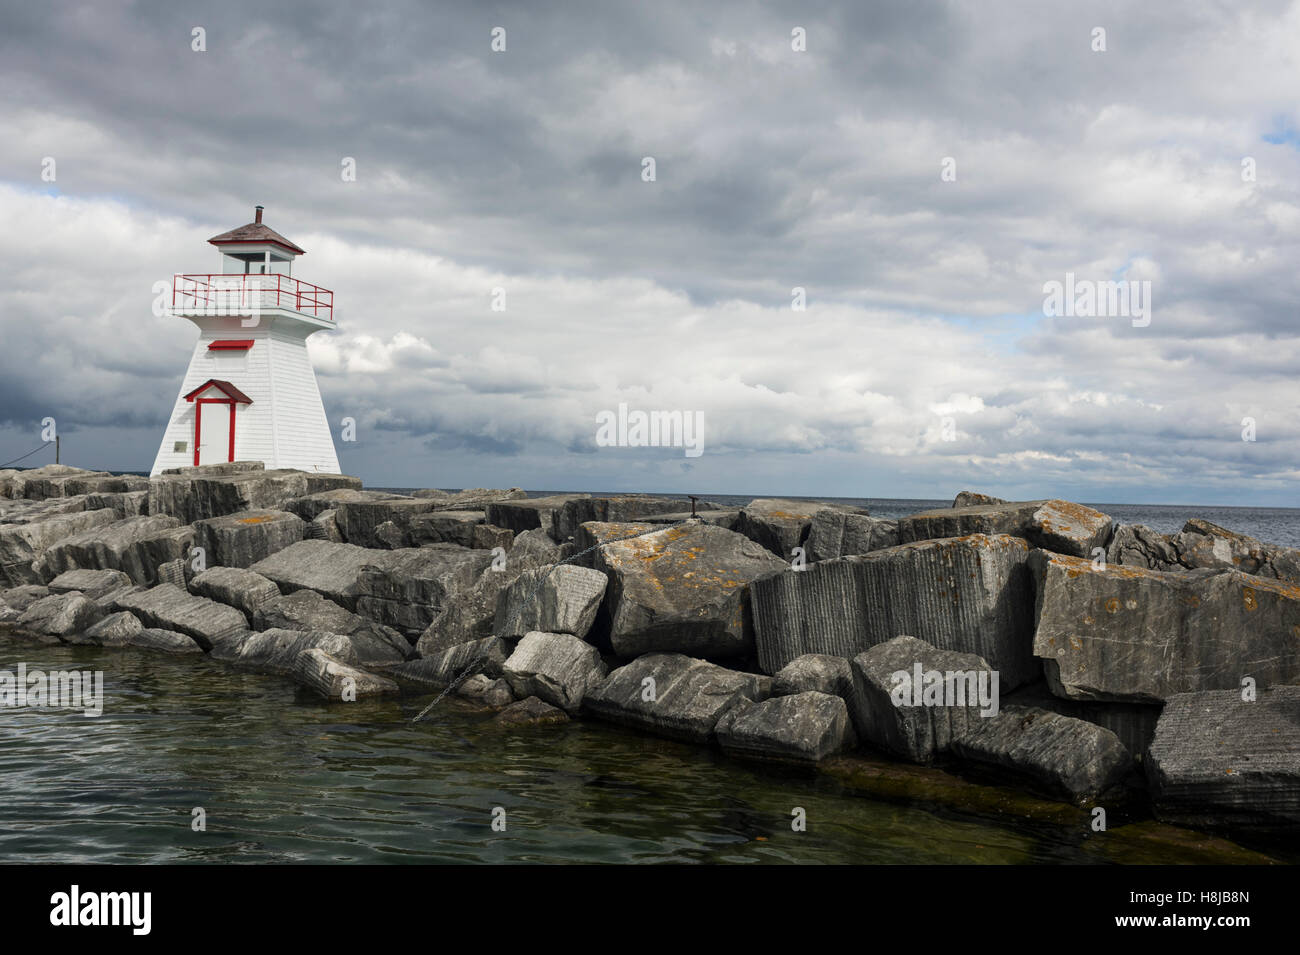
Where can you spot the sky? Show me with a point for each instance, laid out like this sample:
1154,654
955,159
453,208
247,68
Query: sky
922,170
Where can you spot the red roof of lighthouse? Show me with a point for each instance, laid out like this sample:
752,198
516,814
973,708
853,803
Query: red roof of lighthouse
256,232
224,386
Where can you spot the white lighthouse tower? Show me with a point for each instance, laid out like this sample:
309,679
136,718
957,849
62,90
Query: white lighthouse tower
250,393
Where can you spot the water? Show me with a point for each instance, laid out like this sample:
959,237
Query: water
286,778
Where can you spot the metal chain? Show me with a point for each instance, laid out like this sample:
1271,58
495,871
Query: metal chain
474,662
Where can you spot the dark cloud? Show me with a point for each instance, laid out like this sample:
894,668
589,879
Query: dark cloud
775,169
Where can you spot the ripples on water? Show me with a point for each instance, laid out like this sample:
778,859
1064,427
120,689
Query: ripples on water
283,778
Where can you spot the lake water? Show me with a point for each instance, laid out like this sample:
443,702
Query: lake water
283,777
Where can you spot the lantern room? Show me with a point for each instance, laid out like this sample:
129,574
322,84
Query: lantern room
255,249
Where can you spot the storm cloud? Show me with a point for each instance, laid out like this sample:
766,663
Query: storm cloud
923,362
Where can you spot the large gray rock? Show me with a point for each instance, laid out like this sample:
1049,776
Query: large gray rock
124,504
162,641
1136,545
62,480
596,534
114,630
380,523
683,589
1062,756
621,509
22,544
307,610
229,646
168,607
527,513
335,680
557,667
486,656
1060,526
1202,544
815,672
237,587
276,651
323,527
805,727
196,494
970,595
471,498
890,708
22,511
244,538
1134,635
671,695
59,615
444,527
135,546
782,524
530,712
498,693
468,615
330,569
556,598
23,596
313,505
488,537
975,499
1133,723
408,588
1218,760
836,533
90,583
174,572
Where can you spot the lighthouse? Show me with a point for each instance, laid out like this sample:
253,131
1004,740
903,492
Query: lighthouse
250,392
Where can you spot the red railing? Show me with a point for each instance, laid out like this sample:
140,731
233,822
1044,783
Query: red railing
236,294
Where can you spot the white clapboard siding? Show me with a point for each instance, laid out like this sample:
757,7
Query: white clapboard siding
285,426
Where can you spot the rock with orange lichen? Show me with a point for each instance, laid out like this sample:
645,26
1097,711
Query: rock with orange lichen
1136,545
1202,544
969,594
1057,525
245,537
974,499
782,524
681,589
1131,634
